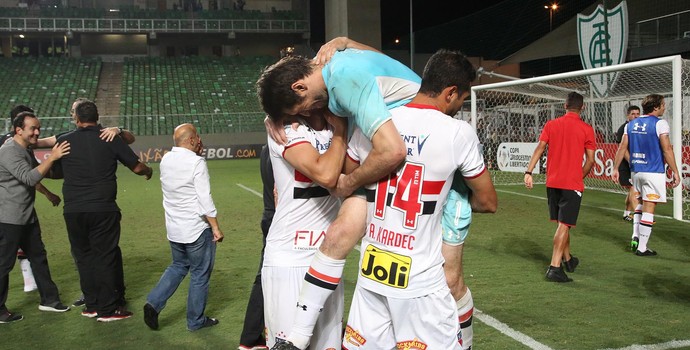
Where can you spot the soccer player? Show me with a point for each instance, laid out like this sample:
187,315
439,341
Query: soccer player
647,141
569,139
401,266
624,171
303,169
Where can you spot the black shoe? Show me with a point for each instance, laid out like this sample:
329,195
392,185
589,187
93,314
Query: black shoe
54,307
556,274
284,345
117,315
571,264
634,243
647,252
151,316
79,302
8,317
210,322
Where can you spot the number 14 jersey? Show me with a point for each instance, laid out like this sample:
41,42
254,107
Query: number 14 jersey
401,248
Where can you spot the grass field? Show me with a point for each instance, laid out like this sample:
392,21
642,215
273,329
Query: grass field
617,299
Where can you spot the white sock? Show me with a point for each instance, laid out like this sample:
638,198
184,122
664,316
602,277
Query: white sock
636,221
319,283
626,213
29,281
465,311
645,230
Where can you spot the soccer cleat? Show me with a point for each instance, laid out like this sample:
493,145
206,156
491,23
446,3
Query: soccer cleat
54,307
556,274
647,252
209,322
8,317
628,218
282,344
151,316
79,302
255,347
90,313
571,264
117,315
634,243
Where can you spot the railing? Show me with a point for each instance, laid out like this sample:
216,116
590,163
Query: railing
661,29
118,25
212,123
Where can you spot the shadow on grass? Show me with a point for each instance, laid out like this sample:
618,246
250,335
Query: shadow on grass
668,286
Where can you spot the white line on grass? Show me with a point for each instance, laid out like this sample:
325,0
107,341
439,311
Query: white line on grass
523,338
250,190
673,344
583,205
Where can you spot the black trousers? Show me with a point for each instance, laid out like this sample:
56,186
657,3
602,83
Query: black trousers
95,239
27,237
253,329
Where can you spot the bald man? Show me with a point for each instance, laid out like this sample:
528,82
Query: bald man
190,220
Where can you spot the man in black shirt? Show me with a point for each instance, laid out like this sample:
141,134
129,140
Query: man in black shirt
91,214
624,168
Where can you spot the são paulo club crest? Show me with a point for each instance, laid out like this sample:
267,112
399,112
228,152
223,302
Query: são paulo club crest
603,44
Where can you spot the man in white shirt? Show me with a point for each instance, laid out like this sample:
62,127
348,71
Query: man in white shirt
190,219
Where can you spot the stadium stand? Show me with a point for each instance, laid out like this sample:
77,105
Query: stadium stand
48,85
217,95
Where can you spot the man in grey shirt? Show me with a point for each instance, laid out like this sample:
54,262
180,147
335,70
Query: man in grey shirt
19,227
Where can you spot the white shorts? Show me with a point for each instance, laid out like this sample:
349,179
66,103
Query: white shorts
651,187
281,287
378,322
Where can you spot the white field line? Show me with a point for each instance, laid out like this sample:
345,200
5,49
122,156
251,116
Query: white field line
523,338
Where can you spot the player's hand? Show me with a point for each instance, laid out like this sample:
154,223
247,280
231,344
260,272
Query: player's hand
329,49
199,148
59,150
615,175
149,173
342,189
676,180
217,235
529,181
275,130
109,134
53,198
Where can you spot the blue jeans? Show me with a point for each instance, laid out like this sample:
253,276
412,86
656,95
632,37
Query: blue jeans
198,258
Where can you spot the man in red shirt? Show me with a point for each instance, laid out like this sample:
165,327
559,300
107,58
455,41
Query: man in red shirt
569,139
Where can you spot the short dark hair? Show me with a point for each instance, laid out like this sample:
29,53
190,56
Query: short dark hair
632,108
574,101
18,121
274,87
650,102
86,112
19,109
447,68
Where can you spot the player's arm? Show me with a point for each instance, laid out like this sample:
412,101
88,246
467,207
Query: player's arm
142,169
483,196
108,134
202,186
533,162
52,197
669,157
323,169
618,159
387,153
589,162
329,49
46,142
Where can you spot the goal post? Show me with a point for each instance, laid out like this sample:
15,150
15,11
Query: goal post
509,116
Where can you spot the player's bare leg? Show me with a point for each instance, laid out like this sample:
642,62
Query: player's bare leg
462,295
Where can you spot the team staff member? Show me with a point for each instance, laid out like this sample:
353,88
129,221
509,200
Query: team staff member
91,214
192,227
624,170
19,227
649,146
568,138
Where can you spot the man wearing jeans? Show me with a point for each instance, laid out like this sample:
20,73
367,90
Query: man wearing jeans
190,219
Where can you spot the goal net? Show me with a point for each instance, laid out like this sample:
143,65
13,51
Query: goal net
509,117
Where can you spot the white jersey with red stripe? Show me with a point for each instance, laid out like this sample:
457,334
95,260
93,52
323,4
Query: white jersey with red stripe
304,209
401,249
